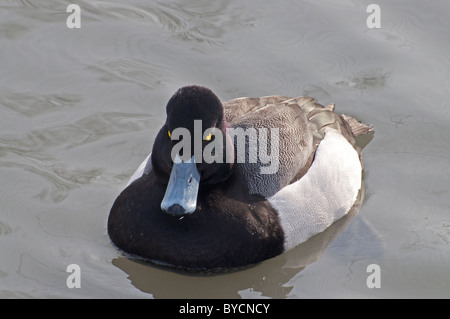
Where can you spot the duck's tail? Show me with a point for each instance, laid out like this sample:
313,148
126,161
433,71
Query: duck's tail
357,127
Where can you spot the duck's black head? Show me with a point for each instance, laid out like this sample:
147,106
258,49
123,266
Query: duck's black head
192,148
194,103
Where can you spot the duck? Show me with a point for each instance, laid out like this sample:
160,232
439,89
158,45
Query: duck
231,184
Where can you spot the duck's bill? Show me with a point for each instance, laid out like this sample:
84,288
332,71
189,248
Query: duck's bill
181,192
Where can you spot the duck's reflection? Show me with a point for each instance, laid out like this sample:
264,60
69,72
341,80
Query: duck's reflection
268,278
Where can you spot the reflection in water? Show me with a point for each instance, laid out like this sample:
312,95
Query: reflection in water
268,278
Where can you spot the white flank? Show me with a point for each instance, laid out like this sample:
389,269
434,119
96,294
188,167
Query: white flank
140,170
323,195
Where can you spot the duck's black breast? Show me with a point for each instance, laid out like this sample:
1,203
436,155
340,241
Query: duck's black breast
230,228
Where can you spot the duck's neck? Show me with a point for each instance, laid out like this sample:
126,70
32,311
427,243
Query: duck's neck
224,169
229,144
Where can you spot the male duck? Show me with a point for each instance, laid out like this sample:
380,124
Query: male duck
186,212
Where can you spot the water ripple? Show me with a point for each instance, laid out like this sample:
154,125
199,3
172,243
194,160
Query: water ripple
86,130
5,229
139,72
31,104
32,151
181,20
365,78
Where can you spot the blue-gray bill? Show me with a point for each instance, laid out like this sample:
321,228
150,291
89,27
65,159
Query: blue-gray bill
181,192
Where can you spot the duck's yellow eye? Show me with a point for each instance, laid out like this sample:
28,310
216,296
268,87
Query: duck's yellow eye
170,135
208,138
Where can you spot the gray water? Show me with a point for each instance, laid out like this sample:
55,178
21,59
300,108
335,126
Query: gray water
79,109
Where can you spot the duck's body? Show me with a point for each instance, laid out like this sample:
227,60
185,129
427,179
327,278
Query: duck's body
242,216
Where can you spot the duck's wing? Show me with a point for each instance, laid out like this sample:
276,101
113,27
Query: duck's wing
301,123
278,140
237,108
